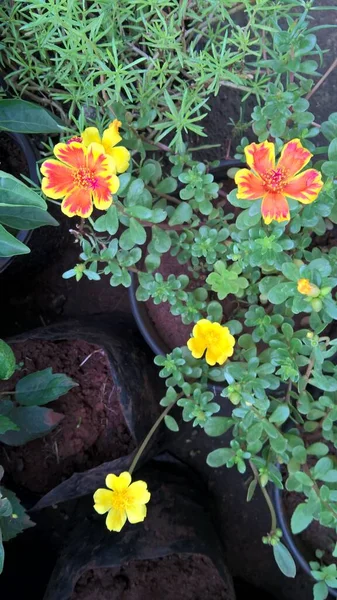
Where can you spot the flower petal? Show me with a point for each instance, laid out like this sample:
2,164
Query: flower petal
136,514
138,493
293,158
72,154
115,520
275,208
260,157
98,162
305,187
201,328
250,186
211,356
103,500
111,135
58,180
118,483
78,202
197,346
90,135
121,157
102,193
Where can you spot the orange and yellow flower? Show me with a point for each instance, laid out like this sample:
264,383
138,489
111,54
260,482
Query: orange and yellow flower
108,142
123,500
305,287
82,177
275,182
214,338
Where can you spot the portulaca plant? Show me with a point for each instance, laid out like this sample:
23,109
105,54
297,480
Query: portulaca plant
261,245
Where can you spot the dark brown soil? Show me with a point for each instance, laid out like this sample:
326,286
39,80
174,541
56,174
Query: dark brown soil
93,429
176,577
12,159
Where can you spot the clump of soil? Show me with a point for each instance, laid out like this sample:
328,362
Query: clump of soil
178,577
93,429
12,159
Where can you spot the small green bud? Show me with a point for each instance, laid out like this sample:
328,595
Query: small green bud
310,335
316,304
235,398
263,299
325,291
264,479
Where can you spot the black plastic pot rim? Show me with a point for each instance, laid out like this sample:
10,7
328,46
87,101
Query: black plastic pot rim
141,316
289,538
28,150
139,311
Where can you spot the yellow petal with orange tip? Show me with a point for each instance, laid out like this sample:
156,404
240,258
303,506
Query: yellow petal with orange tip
78,203
118,483
121,157
260,157
275,208
115,520
98,162
91,135
103,500
250,186
293,158
304,187
58,180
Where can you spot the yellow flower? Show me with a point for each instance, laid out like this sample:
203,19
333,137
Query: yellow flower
215,339
122,501
109,140
307,289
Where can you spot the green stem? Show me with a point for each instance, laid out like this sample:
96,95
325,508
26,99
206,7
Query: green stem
273,525
149,436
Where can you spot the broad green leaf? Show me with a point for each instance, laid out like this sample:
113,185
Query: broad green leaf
280,292
182,214
7,425
284,560
33,422
318,449
161,240
7,360
167,185
42,387
251,490
301,518
108,222
137,232
216,426
11,527
171,423
280,414
140,212
219,457
10,245
324,382
321,590
20,116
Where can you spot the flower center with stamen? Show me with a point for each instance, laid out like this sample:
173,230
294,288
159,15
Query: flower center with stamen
120,500
275,180
84,178
212,338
